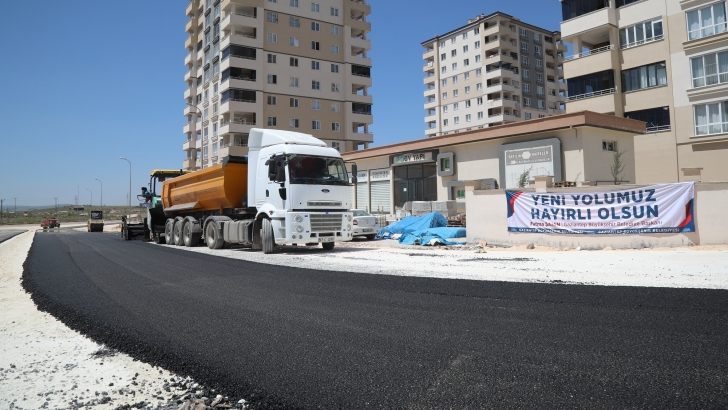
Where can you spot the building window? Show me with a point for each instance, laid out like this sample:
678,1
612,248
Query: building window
315,105
453,53
465,49
334,12
479,101
526,102
444,82
541,105
455,106
478,71
294,3
466,62
334,68
465,35
456,120
443,56
524,47
272,79
443,70
336,145
599,83
272,121
539,77
315,85
467,103
315,26
524,60
706,21
467,89
454,66
272,100
709,69
293,102
272,38
293,61
315,65
454,79
480,115
466,76
444,108
640,33
294,41
335,107
453,40
610,146
294,22
444,123
657,119
454,93
539,91
539,63
444,96
467,118
293,123
711,118
334,88
272,58
316,125
526,74
536,38
315,45
335,30
649,76
272,17
575,8
477,58
527,88
527,116
335,127
442,44
477,45
315,7
334,49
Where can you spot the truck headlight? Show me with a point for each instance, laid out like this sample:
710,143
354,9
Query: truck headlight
298,219
348,227
299,228
349,217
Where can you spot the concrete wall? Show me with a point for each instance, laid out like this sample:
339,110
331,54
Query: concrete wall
491,223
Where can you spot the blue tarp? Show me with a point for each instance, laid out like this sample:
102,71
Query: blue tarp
443,235
413,223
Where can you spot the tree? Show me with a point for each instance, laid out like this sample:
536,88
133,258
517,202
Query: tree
523,179
617,167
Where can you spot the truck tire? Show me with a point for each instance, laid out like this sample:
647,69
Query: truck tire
213,236
177,232
328,245
168,225
188,238
267,237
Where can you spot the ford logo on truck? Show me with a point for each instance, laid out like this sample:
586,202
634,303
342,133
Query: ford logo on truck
325,191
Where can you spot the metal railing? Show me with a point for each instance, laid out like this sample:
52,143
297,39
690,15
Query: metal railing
591,94
237,121
658,128
590,52
640,42
234,99
361,112
244,14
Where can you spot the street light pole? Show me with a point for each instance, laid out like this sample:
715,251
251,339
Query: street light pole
201,119
55,201
128,211
92,197
102,192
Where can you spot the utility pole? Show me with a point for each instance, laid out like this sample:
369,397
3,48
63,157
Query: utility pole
56,201
1,210
16,205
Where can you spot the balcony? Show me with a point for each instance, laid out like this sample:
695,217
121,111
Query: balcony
188,128
502,72
360,6
236,126
242,39
359,24
360,43
240,18
589,61
497,29
430,92
358,97
580,24
495,87
430,104
603,101
429,54
359,136
233,150
188,145
188,164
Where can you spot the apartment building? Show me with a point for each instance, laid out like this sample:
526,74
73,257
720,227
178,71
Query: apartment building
664,62
494,70
296,65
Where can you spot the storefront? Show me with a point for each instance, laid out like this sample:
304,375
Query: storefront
576,147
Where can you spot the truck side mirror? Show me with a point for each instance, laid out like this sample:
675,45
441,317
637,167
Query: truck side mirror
353,173
280,171
271,169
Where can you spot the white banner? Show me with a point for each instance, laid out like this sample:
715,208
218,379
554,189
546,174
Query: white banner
664,208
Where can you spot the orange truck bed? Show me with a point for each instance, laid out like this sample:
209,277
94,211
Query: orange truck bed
218,187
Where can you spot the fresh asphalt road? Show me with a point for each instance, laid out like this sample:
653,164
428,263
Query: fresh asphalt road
6,234
293,338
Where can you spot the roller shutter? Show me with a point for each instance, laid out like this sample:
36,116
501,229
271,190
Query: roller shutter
362,196
380,197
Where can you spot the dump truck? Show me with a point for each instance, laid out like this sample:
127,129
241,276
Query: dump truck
95,221
50,223
291,189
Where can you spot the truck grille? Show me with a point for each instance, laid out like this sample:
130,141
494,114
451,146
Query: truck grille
325,223
324,203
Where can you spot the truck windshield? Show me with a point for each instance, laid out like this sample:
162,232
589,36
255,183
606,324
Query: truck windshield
317,170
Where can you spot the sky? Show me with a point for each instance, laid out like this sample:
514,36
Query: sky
90,81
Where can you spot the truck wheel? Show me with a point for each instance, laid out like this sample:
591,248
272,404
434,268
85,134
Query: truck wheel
371,237
190,239
328,245
213,236
158,238
177,233
267,236
168,231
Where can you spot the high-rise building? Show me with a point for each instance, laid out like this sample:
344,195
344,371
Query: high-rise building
658,61
494,70
284,64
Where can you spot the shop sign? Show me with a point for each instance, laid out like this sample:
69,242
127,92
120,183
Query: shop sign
412,158
654,209
361,176
537,161
384,174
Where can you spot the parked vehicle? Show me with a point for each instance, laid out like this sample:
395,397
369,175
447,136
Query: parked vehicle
95,221
290,189
365,224
50,223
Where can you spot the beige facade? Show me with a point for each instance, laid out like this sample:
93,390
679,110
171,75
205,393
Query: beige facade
441,166
631,43
494,70
287,65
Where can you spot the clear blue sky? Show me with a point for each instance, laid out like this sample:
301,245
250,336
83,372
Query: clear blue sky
89,81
